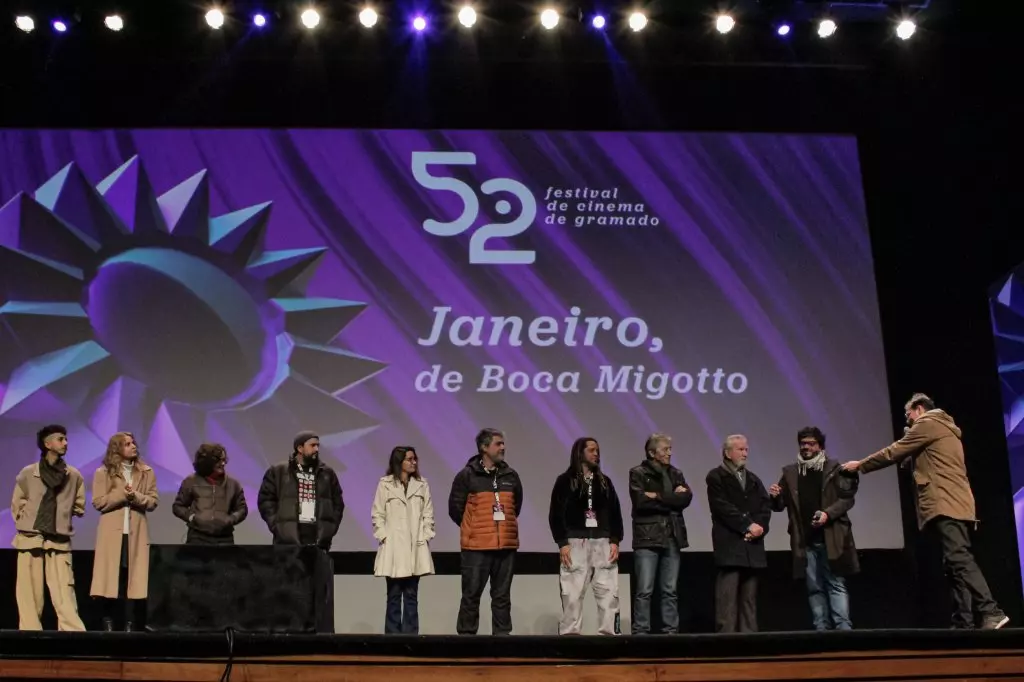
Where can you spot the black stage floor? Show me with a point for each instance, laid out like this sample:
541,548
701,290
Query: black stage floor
195,647
858,656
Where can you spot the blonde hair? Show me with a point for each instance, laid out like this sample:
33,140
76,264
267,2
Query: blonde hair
112,459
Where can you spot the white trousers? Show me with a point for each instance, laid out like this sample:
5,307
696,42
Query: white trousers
590,566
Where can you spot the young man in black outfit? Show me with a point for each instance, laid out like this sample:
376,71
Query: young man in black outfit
586,524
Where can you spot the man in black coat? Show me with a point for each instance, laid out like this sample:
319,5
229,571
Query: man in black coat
740,513
301,500
659,494
818,493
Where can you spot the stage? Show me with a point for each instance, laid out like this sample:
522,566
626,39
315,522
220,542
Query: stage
857,655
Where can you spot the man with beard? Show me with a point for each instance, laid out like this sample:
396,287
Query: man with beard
818,494
586,524
945,504
485,502
740,512
300,500
46,495
659,494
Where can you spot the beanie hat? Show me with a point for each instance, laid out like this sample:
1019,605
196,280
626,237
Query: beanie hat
301,438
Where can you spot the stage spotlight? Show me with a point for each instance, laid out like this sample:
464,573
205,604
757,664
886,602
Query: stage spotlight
467,16
24,23
724,23
597,22
368,17
59,26
638,21
783,30
259,20
310,18
114,22
549,19
419,23
215,19
827,28
905,29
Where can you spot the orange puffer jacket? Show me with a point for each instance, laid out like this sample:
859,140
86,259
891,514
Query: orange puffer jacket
471,506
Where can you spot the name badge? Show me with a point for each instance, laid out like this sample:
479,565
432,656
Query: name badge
498,512
591,517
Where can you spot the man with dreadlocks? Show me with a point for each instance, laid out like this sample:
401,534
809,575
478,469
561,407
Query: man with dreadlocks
586,523
46,495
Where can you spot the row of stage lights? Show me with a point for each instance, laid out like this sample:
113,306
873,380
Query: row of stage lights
467,17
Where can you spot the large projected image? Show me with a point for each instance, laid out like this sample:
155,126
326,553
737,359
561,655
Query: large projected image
387,288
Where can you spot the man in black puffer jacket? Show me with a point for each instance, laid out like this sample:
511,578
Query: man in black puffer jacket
659,494
300,500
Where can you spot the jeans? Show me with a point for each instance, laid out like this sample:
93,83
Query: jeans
662,564
498,566
402,614
826,592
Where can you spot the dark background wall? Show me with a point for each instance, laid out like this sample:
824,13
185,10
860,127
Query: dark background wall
937,130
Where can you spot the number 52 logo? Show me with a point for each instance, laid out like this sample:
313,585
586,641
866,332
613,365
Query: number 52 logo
478,251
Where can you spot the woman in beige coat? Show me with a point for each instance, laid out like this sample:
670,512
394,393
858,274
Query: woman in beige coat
403,523
123,491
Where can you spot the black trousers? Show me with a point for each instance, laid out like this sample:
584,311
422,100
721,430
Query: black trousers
736,600
967,586
478,567
127,606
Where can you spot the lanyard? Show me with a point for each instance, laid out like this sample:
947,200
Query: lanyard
494,485
590,492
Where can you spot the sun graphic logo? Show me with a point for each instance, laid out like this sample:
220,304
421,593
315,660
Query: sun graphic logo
137,311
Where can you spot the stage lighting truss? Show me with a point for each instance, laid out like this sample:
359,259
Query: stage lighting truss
783,18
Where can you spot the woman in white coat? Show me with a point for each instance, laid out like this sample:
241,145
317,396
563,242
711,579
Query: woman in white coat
403,523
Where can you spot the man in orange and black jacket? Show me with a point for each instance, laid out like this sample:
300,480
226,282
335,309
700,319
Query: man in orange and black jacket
485,502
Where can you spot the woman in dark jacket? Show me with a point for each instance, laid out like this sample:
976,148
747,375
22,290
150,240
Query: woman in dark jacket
209,501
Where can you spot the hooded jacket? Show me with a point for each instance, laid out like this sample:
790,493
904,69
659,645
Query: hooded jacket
471,506
940,476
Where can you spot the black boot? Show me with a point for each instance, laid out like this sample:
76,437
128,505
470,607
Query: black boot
108,625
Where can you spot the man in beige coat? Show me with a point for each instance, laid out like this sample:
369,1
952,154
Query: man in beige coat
46,495
945,504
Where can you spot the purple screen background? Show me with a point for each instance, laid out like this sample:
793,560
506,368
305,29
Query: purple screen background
759,265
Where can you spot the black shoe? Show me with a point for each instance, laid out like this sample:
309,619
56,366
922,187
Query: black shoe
129,627
995,621
108,625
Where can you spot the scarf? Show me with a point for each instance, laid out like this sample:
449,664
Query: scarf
216,478
815,463
737,470
666,478
53,476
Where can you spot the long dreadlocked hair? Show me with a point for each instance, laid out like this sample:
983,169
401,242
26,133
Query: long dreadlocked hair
576,464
